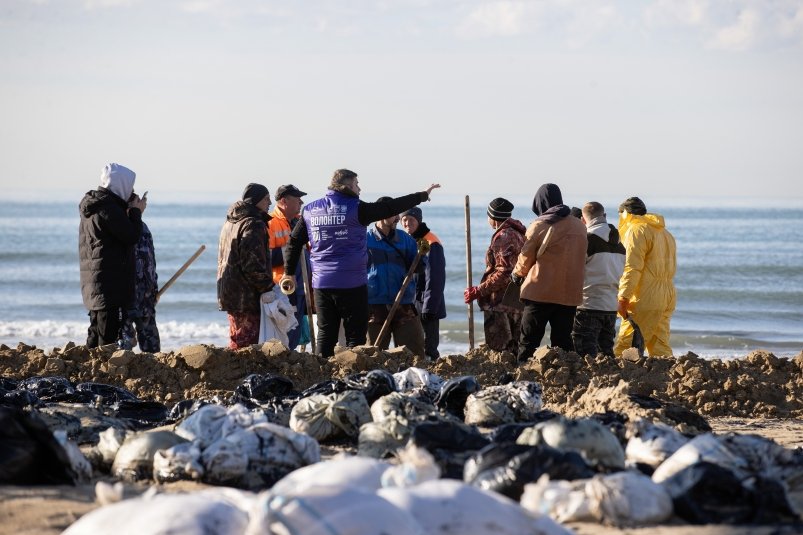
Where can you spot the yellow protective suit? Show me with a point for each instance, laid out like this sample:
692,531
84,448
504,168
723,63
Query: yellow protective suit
650,266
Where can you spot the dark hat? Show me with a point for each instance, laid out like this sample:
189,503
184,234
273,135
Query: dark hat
254,193
500,209
547,196
289,189
415,212
634,206
384,199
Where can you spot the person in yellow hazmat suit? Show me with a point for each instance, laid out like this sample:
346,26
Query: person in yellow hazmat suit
646,289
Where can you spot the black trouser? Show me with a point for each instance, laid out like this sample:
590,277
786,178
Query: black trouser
593,332
104,326
333,305
534,319
432,336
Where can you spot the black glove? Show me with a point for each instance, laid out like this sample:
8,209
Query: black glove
516,279
428,316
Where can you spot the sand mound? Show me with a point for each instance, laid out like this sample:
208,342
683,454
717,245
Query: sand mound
758,385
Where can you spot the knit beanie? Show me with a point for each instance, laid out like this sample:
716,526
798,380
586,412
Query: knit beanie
414,212
500,209
254,193
634,206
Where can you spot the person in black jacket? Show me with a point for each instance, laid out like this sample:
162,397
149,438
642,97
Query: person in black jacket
243,270
431,282
336,227
110,226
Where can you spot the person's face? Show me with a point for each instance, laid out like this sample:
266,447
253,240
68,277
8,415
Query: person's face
290,206
264,204
493,224
355,185
409,223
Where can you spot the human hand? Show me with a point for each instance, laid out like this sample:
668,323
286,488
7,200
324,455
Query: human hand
432,187
267,297
622,307
287,284
137,202
470,294
517,279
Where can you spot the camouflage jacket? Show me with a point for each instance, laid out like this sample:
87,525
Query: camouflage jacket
146,286
500,259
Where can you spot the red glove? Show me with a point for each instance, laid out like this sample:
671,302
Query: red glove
471,294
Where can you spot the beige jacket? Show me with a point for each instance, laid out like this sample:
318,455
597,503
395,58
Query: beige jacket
557,275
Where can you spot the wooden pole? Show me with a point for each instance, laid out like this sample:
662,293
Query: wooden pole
423,248
181,270
308,298
468,275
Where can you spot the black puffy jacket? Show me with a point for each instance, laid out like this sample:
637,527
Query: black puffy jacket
106,237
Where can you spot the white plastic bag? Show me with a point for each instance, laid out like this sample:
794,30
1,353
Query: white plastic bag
219,511
277,319
335,510
448,506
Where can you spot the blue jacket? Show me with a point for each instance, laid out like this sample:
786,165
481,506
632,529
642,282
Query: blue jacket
388,265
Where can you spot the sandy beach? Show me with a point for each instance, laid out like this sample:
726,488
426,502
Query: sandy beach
757,394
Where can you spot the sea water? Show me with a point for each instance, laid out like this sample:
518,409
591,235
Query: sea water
739,275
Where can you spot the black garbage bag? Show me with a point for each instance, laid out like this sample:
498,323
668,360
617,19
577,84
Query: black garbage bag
106,394
8,384
144,414
373,384
18,398
331,386
265,387
450,443
29,453
48,388
454,393
510,432
451,436
706,493
506,468
638,338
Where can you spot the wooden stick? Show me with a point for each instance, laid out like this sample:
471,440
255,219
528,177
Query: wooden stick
308,298
468,276
423,248
181,270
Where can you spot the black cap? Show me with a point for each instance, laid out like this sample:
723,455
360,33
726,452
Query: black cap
289,189
414,212
500,209
254,193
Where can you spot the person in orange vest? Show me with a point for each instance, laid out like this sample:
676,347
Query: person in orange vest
284,218
429,288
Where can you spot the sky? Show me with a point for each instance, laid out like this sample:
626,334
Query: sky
663,99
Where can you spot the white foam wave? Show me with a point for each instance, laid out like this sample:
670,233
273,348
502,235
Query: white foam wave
49,333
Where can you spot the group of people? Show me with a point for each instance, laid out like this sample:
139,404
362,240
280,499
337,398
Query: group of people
575,272
370,279
356,271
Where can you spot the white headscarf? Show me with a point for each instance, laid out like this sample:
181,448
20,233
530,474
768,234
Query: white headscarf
118,179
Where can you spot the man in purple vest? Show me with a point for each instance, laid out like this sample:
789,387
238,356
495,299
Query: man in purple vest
335,227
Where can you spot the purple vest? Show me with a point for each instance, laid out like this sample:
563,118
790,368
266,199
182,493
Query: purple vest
338,250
